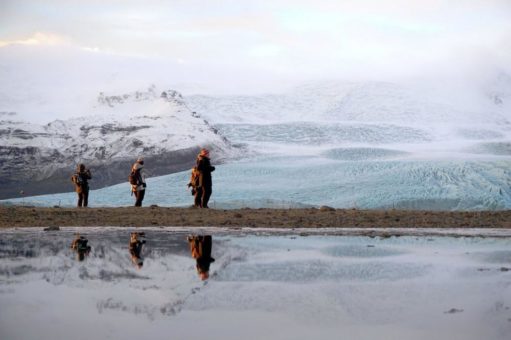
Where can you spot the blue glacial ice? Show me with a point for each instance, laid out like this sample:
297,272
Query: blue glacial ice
298,182
343,165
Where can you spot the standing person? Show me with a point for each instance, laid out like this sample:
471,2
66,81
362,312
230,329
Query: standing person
196,190
200,247
205,182
137,181
80,179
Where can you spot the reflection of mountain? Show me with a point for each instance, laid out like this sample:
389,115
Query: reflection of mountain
156,125
261,284
47,258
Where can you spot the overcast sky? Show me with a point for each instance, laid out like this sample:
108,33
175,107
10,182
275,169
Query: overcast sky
237,43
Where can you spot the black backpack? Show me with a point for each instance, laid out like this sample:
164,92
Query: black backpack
77,179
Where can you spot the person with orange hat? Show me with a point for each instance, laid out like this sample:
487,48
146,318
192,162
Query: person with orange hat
205,181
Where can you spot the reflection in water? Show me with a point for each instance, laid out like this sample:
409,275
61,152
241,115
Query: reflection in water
79,245
135,247
260,287
200,247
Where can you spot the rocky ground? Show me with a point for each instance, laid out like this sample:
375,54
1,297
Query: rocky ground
323,217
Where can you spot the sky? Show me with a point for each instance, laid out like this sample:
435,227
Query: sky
249,46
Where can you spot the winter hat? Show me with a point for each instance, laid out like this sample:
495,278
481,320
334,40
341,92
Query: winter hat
140,160
204,152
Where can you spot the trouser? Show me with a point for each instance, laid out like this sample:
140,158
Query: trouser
206,194
139,195
83,198
198,197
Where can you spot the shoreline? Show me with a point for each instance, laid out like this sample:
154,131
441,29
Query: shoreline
329,218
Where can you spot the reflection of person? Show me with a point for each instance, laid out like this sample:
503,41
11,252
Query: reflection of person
137,181
205,182
81,248
80,178
200,247
135,248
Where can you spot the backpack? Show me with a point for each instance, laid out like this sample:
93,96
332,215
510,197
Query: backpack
134,177
77,179
194,179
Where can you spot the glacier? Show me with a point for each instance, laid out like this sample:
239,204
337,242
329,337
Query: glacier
346,145
302,182
272,285
377,167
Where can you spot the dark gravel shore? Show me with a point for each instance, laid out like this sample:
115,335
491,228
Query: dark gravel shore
277,218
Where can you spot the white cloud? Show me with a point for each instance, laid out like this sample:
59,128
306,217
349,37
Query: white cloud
38,38
281,39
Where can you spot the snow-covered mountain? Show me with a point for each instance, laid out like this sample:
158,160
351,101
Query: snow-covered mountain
118,128
419,119
366,102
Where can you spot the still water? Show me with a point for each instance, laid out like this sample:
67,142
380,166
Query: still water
260,286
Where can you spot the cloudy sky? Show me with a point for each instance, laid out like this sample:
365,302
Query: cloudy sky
237,44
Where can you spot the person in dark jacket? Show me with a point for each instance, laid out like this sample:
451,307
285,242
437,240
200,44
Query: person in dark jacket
79,245
200,247
139,186
81,180
135,248
205,182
